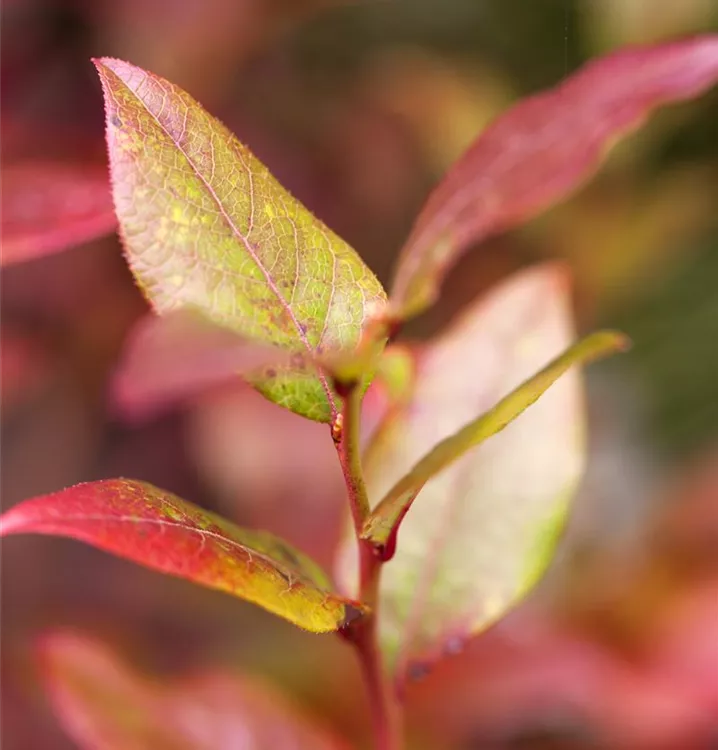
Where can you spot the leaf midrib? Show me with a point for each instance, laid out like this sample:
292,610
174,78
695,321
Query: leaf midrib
162,522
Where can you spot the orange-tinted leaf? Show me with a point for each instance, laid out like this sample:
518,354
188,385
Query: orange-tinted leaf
541,150
178,355
104,705
384,521
481,531
48,207
159,530
205,225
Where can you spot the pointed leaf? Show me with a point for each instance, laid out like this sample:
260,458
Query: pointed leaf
539,151
206,225
176,356
384,521
104,705
481,531
159,530
48,207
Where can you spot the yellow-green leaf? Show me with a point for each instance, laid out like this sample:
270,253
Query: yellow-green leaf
205,225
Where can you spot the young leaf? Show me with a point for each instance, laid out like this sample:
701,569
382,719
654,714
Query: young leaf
48,207
104,705
384,521
159,530
205,225
482,530
541,150
173,357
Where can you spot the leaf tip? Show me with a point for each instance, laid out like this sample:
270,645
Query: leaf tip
624,343
616,341
10,522
108,65
100,63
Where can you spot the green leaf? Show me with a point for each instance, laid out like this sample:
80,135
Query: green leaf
205,225
161,531
385,519
476,538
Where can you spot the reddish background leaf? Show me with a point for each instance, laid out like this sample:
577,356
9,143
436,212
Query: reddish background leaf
177,356
48,207
540,151
104,705
159,530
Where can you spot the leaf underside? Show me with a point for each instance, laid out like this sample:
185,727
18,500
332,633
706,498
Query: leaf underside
157,529
205,225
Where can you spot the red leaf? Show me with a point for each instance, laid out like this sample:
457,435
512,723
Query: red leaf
25,366
541,150
48,207
179,355
103,705
159,530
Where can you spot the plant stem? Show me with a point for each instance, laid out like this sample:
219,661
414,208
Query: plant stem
363,633
382,701
350,456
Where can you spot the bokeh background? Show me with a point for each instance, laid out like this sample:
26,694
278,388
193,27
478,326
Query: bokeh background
358,108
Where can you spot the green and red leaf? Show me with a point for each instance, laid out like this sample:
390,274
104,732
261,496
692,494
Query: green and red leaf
157,529
51,206
105,705
541,150
205,225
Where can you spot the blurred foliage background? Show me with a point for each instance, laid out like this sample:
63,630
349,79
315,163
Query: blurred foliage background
358,108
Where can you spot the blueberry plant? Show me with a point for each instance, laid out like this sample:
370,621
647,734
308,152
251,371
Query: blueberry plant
458,489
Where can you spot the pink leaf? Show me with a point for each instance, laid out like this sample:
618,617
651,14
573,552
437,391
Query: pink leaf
49,206
541,150
104,705
179,355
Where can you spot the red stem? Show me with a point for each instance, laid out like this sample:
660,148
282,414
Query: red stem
382,701
363,633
